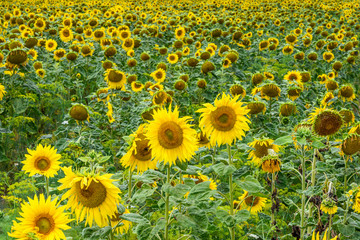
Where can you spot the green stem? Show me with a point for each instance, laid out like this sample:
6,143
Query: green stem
166,235
47,186
345,175
130,184
328,236
272,198
270,103
232,229
303,198
313,181
111,236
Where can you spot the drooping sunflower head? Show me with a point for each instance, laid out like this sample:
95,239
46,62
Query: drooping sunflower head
350,145
171,137
254,204
257,78
260,149
139,154
180,85
16,58
294,92
226,121
256,107
93,196
327,122
331,85
287,109
355,129
41,218
270,90
326,101
43,160
347,93
347,116
328,206
79,112
201,83
270,163
203,140
237,89
207,67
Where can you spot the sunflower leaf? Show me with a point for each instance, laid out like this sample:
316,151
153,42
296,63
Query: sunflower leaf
223,170
200,192
250,184
283,140
242,216
134,217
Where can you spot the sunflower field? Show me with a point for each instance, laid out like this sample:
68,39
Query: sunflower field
179,119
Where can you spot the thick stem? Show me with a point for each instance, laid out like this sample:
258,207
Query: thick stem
345,175
130,184
232,229
328,236
47,187
272,197
313,181
166,235
302,225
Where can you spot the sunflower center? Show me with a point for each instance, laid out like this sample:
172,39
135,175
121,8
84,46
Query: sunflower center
251,201
158,75
143,151
223,118
91,196
115,76
170,135
42,163
45,224
261,150
346,92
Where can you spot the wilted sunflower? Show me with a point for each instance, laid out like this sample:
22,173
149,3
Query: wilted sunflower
226,121
159,98
328,206
256,107
326,122
15,58
348,116
171,137
42,218
86,50
253,204
123,225
139,154
237,89
59,53
43,160
261,148
346,93
201,83
115,79
270,163
270,90
331,85
79,112
207,67
2,91
203,140
159,75
93,196
287,109
257,78
350,145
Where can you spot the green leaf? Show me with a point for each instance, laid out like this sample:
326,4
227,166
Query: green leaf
179,190
199,217
141,195
318,144
283,140
242,216
223,170
143,231
250,184
134,217
103,159
200,192
346,230
225,217
185,221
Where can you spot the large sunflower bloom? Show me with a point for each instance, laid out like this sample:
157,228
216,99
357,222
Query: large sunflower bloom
139,154
42,218
226,121
44,160
171,137
93,196
253,204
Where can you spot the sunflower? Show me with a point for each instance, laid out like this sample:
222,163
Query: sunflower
264,44
15,58
270,90
355,129
158,75
346,93
33,53
288,50
328,56
270,163
66,34
326,122
294,93
326,101
257,78
2,91
226,121
42,218
93,196
199,178
110,112
173,58
115,79
348,116
128,44
260,149
293,76
171,137
256,107
287,109
79,112
226,63
237,89
331,85
253,204
350,145
139,154
59,53
159,98
123,225
180,32
328,206
355,199
137,86
50,45
43,160
98,34
203,140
